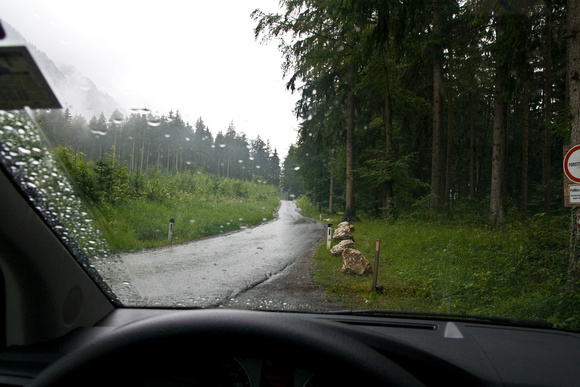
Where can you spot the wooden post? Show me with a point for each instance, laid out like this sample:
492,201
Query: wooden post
376,268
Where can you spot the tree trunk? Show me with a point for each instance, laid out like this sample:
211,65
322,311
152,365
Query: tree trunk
133,156
497,210
314,201
437,157
388,122
147,160
218,164
525,146
449,145
497,213
547,154
472,189
142,153
158,157
331,193
350,211
168,157
573,82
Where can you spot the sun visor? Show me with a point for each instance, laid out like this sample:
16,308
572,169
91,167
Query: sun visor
21,82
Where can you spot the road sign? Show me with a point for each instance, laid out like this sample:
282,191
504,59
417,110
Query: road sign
572,164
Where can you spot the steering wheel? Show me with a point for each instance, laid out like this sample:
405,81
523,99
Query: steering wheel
184,338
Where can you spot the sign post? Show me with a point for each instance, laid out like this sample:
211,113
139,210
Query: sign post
329,236
170,237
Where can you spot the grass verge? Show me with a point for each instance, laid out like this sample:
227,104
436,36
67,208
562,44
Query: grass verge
199,210
518,272
138,224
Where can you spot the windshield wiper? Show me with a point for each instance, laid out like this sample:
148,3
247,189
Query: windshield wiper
446,317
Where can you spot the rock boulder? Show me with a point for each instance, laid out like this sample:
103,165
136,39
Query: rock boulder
339,248
354,262
342,232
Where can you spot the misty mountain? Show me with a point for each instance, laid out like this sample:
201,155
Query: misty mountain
73,90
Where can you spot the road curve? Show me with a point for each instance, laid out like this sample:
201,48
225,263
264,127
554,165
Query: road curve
211,271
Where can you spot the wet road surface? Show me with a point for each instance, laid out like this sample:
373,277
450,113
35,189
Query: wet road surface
213,271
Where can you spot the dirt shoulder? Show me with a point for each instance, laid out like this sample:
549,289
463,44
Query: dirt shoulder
292,289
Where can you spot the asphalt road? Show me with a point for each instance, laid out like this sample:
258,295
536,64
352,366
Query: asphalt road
213,271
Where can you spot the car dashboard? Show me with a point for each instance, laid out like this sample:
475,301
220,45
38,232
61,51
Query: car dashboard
281,349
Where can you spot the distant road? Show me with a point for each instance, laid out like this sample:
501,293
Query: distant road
212,271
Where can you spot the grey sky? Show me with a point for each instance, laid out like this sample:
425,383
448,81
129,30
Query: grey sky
198,57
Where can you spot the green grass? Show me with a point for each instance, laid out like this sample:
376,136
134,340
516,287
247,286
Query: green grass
198,211
133,209
141,224
518,272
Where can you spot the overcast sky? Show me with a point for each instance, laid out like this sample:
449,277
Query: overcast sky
198,57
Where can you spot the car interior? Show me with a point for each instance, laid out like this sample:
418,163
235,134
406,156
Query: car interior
61,324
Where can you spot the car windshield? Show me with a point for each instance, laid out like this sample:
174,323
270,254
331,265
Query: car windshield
384,157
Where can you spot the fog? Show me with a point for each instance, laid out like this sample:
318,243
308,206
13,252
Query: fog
200,58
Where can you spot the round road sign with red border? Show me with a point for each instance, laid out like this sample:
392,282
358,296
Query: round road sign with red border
572,164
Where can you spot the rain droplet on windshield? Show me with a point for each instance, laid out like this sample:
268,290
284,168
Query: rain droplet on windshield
99,132
153,121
